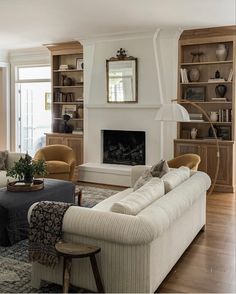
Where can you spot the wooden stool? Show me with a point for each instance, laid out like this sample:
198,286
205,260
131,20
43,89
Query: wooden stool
79,196
70,250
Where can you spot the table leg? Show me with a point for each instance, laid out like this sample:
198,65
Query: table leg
66,274
79,195
96,274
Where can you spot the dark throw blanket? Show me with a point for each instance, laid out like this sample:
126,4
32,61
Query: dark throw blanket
45,231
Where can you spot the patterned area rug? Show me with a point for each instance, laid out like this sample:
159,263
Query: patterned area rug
15,270
92,195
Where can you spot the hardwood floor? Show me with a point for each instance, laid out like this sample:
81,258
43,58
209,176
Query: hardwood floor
208,265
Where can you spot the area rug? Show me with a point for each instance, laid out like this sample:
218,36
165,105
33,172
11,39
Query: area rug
15,270
93,195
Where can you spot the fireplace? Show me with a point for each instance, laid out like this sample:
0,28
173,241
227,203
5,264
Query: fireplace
123,147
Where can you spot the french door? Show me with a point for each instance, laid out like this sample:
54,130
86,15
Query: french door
33,88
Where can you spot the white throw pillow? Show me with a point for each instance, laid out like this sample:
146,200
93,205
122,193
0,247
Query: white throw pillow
141,198
175,177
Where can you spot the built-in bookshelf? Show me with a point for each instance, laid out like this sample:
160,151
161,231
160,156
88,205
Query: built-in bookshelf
206,76
68,96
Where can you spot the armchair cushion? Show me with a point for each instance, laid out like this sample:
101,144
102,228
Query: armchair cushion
56,167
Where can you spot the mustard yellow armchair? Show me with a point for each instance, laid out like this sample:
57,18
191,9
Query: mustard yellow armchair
190,160
60,161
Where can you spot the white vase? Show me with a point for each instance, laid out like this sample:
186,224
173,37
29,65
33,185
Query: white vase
193,133
221,52
213,116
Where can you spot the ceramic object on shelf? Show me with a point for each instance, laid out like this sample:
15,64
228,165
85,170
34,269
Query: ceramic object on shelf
221,52
214,116
193,133
67,81
221,90
194,75
217,75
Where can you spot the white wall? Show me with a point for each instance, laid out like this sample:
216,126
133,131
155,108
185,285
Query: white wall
102,115
4,101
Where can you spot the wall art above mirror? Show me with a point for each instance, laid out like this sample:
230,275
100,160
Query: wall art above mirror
122,78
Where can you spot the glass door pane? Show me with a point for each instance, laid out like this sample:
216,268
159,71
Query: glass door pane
34,111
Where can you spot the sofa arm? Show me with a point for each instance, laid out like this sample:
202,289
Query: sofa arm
104,225
137,171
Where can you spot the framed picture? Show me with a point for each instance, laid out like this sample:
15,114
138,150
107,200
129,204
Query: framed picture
195,93
69,110
47,101
79,63
224,132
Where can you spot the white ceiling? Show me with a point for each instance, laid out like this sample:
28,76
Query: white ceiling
30,23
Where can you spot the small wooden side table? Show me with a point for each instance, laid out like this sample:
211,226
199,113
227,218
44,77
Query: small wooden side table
69,250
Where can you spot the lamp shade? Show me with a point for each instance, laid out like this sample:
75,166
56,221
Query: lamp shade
172,112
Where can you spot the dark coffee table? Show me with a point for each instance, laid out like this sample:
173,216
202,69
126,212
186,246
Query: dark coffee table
14,208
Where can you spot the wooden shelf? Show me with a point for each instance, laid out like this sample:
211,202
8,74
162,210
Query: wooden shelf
69,103
208,102
67,54
202,140
206,122
76,119
206,42
68,70
64,134
205,83
63,87
206,63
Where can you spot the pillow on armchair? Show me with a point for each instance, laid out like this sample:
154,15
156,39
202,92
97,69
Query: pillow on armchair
157,171
3,159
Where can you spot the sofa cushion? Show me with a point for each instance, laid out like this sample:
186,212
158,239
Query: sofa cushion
106,204
143,179
157,170
57,167
175,177
3,160
133,203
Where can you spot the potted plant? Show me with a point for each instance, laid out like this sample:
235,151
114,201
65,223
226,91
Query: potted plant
26,169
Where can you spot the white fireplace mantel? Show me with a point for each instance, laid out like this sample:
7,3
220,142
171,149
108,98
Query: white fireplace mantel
100,115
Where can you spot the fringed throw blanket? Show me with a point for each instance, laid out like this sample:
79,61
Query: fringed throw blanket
45,231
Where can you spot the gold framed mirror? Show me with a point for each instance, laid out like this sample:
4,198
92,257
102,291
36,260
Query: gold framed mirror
122,78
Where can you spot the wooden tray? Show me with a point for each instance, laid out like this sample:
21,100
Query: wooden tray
36,186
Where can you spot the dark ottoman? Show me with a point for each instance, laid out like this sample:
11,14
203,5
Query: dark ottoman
14,208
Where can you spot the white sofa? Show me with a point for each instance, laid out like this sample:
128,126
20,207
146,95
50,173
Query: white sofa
11,158
137,252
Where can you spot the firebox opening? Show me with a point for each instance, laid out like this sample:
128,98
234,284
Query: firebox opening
124,147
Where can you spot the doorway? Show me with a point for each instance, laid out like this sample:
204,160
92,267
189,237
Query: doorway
33,88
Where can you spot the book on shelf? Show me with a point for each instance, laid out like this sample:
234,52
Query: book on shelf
218,99
230,76
77,132
184,75
196,116
65,67
216,80
225,115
